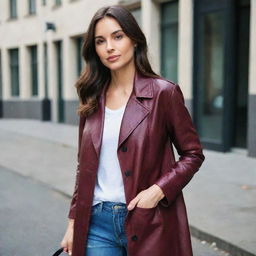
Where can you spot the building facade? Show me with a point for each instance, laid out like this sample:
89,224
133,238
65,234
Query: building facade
206,46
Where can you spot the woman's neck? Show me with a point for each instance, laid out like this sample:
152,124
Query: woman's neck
123,79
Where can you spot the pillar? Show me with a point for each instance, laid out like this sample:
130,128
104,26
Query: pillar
185,50
150,18
251,138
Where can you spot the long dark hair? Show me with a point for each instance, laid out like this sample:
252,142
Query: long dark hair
96,75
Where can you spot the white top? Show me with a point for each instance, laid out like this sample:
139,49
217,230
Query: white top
109,185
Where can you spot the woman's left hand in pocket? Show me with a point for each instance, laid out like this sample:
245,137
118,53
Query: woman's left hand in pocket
147,198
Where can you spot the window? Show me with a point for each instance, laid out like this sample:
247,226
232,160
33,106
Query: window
80,61
46,70
137,15
32,6
13,9
14,71
59,74
57,2
169,41
33,70
44,2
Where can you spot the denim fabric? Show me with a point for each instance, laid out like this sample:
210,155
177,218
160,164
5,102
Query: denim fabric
106,234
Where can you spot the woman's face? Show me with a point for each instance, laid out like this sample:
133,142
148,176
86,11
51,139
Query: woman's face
114,48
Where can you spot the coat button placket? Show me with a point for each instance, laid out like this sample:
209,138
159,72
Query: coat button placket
127,173
124,148
134,238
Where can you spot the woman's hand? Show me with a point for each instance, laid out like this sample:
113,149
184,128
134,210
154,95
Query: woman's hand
147,198
67,241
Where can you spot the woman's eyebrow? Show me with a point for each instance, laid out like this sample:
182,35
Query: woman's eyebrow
111,33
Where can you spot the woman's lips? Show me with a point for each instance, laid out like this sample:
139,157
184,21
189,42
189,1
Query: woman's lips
114,58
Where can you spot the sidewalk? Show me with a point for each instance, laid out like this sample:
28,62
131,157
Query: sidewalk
220,199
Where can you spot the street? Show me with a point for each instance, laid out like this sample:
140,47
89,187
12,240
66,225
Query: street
34,216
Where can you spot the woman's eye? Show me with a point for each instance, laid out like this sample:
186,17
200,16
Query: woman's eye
119,36
99,41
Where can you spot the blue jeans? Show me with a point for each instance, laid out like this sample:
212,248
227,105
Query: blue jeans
106,235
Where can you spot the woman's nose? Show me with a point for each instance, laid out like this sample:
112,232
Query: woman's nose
109,46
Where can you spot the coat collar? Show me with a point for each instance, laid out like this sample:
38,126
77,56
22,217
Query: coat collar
134,112
142,87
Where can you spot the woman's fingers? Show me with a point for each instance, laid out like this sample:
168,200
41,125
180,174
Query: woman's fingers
70,244
64,245
133,202
147,198
67,241
67,247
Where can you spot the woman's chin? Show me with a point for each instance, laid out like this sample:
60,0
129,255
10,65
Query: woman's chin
115,67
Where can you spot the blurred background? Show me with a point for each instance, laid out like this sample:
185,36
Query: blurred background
206,46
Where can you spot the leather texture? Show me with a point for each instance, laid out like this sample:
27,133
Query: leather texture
154,120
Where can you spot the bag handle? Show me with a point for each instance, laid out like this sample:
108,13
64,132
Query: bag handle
57,253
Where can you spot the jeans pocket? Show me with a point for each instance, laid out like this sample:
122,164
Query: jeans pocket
97,208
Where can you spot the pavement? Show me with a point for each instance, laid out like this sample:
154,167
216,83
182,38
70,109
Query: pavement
220,199
33,221
41,212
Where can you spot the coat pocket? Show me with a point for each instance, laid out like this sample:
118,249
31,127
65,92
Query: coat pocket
147,222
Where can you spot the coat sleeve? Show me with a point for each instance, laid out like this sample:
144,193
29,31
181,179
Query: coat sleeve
184,137
72,209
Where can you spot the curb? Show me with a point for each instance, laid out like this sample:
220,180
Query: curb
220,243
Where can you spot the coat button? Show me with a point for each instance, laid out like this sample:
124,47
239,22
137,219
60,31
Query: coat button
124,148
127,173
134,238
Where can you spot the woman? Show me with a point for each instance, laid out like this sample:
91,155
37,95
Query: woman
128,195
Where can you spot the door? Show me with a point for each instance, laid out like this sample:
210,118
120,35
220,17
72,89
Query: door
242,72
169,40
60,100
221,54
214,72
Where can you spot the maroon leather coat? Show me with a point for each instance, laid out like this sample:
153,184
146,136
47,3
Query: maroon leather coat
155,118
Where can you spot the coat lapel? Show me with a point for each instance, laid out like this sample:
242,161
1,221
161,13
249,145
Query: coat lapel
134,112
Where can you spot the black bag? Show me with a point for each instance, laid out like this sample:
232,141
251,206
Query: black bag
57,253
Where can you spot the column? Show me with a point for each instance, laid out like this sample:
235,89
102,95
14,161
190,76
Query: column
52,76
69,78
40,66
251,138
69,66
6,74
185,50
150,17
24,68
